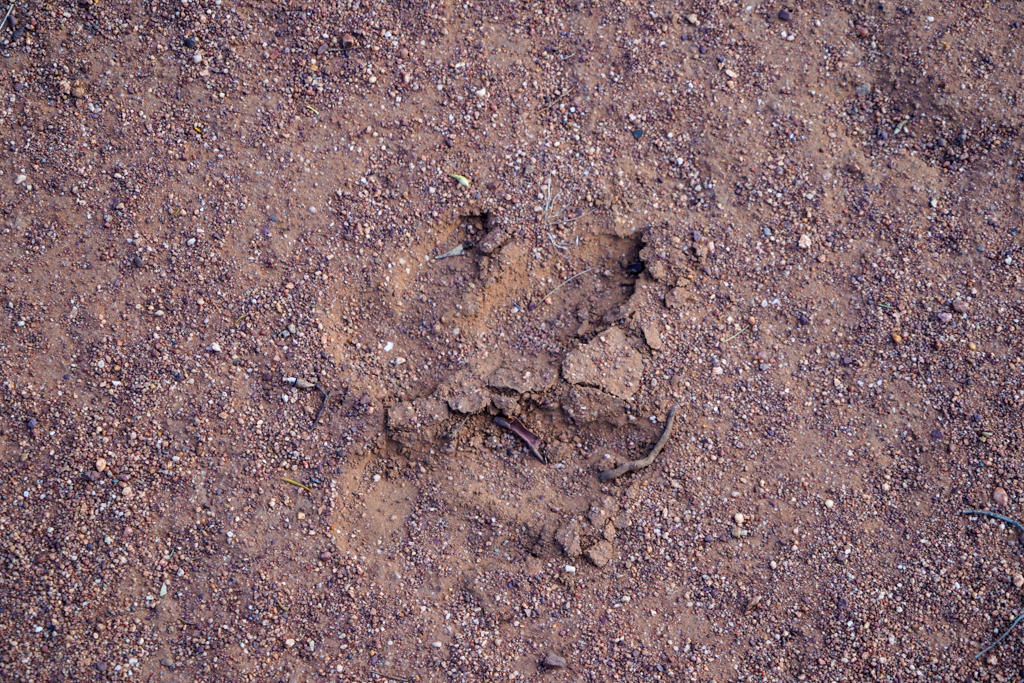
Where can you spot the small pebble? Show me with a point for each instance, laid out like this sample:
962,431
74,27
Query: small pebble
804,242
101,465
897,339
1018,580
830,503
739,518
638,133
553,661
960,306
290,642
945,317
784,15
190,43
1000,497
32,424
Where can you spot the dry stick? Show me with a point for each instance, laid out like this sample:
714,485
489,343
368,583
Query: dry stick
996,515
557,245
644,462
734,336
584,272
519,429
295,483
390,678
1000,638
327,397
570,220
1020,527
4,22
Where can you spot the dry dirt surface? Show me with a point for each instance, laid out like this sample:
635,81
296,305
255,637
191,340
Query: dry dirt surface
270,271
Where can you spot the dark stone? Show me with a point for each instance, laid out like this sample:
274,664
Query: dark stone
190,43
137,261
638,133
32,423
635,268
784,15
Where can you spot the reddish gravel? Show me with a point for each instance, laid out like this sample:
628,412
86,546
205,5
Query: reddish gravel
800,223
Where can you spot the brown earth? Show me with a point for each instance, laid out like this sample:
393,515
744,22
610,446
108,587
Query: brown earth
800,223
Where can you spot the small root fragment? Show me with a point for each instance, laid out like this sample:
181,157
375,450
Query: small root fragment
644,462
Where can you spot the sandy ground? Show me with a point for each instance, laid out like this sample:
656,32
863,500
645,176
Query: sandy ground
247,425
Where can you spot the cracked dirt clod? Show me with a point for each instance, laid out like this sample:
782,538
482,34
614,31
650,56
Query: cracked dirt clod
602,511
607,362
568,539
469,400
600,553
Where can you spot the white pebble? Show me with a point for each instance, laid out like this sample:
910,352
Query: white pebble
388,346
830,504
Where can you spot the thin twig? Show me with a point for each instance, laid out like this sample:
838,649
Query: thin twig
547,202
555,101
735,335
644,462
1000,638
295,483
557,245
390,678
570,220
584,272
455,432
4,22
996,515
327,397
531,440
